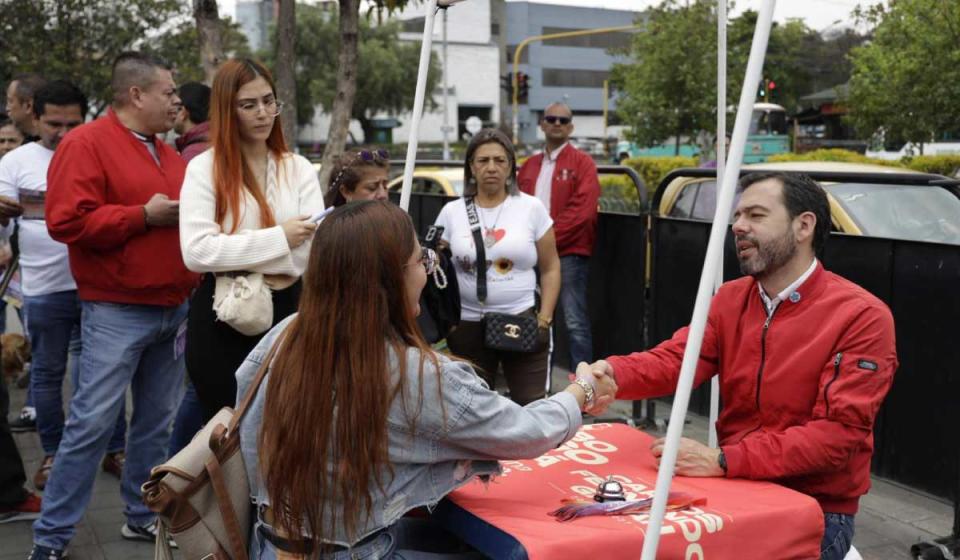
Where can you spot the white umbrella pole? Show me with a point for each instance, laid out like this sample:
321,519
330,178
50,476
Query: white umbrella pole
418,104
714,253
721,161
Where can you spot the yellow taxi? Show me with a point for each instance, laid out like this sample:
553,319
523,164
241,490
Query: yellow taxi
446,181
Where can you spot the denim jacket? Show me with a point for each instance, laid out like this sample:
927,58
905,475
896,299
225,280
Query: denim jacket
439,455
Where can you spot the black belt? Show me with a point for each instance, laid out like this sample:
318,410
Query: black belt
305,547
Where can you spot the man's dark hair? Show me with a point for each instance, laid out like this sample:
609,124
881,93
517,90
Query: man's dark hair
196,100
800,194
27,85
61,93
131,69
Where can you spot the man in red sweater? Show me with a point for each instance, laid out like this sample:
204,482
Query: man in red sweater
565,180
805,359
111,197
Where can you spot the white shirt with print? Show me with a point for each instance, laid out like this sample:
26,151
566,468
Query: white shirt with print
517,224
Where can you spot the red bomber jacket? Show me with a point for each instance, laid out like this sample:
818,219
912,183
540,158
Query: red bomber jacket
800,390
573,198
100,178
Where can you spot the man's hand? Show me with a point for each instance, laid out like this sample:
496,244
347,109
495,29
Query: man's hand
693,458
160,211
9,208
600,376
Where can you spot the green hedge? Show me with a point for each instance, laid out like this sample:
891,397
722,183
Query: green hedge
654,169
942,165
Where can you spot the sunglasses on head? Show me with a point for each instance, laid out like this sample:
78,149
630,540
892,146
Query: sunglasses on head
374,155
553,119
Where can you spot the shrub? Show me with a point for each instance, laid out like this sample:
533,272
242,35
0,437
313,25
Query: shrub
654,169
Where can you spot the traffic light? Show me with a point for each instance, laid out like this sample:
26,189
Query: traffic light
506,84
523,86
767,87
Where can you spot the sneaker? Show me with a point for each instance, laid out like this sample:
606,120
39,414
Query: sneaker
44,553
26,422
113,463
147,533
43,473
26,510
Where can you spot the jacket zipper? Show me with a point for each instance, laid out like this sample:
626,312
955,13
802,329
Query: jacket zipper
763,354
836,374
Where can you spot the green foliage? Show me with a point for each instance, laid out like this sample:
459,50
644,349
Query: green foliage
77,40
618,194
386,74
948,165
906,81
654,169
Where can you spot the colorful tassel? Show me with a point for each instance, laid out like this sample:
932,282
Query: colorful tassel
574,508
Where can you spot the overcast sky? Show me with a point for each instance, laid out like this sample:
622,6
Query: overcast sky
818,14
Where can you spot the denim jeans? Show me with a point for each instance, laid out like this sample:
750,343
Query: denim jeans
837,536
53,326
407,539
123,346
574,270
189,420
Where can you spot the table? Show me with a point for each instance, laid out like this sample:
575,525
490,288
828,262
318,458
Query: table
508,519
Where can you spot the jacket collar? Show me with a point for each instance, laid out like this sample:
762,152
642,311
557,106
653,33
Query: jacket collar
199,133
810,288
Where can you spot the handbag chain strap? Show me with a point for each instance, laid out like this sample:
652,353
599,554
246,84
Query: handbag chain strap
481,265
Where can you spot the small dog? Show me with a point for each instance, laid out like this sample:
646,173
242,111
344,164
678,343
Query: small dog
16,353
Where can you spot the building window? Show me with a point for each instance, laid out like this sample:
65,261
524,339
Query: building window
464,112
414,25
494,29
563,77
613,40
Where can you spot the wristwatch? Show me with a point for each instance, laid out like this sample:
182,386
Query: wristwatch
587,389
544,322
722,461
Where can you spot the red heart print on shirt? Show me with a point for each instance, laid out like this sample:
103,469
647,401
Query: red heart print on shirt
497,234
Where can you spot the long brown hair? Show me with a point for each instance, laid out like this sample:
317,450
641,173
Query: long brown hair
231,172
323,440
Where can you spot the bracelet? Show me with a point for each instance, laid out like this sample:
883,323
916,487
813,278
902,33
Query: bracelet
544,322
587,389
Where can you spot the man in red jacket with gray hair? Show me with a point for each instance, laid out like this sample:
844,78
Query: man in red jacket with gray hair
112,199
565,180
805,359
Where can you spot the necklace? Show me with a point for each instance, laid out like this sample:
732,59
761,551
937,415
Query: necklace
489,237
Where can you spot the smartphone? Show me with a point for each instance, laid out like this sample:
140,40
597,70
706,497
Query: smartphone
316,218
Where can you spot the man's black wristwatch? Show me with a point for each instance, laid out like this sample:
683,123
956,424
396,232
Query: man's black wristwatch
722,461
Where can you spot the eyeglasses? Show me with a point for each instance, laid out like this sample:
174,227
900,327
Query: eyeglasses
271,107
369,156
553,119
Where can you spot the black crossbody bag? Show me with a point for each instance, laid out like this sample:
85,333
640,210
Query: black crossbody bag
501,331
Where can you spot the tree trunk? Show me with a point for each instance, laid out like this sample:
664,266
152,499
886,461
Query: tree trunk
210,35
346,87
284,71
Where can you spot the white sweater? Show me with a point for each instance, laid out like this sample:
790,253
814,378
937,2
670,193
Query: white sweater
207,248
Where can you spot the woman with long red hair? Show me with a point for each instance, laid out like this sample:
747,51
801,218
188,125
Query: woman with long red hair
358,421
244,211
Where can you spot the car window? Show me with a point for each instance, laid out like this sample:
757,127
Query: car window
911,212
706,203
457,185
683,206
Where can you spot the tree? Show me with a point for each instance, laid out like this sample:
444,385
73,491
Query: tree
906,80
209,36
284,70
78,39
670,88
386,70
179,48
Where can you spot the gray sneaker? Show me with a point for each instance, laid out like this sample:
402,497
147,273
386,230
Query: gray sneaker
26,422
146,534
44,553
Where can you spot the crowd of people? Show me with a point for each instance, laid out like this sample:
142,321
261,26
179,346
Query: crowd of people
175,274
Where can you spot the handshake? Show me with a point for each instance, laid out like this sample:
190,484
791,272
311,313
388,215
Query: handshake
599,377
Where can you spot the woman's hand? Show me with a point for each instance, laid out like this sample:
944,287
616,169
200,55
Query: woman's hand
298,230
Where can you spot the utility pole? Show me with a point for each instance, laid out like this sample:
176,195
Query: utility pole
446,95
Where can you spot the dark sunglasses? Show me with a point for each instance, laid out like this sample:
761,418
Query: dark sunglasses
557,120
375,155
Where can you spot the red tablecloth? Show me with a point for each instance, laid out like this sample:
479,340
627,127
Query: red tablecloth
742,519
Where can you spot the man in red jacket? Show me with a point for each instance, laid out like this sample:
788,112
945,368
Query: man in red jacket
565,180
111,197
805,359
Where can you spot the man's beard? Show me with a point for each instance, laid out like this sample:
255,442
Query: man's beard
768,256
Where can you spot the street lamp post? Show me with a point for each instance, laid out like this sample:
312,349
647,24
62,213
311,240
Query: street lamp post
446,95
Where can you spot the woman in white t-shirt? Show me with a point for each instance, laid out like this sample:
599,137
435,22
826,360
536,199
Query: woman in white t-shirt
517,234
244,208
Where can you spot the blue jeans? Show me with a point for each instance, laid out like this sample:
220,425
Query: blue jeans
53,326
123,346
407,539
189,420
837,536
574,270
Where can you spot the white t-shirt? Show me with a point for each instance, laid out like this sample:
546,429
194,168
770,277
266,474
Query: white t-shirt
517,224
44,262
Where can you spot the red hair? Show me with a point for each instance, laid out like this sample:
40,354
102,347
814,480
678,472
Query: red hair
231,173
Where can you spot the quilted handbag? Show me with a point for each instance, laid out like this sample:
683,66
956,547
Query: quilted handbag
513,333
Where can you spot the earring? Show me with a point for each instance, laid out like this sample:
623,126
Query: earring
472,181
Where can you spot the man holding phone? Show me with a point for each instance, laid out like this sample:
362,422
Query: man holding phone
112,198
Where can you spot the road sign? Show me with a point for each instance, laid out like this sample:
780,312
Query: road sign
473,124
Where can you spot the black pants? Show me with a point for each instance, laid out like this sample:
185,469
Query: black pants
12,476
526,373
215,350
